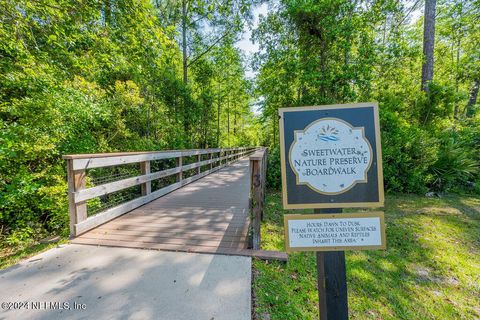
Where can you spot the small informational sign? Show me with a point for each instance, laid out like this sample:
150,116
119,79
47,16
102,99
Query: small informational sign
334,232
331,156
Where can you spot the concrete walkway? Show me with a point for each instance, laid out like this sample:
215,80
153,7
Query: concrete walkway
122,283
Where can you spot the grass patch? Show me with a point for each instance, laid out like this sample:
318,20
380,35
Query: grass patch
10,255
430,270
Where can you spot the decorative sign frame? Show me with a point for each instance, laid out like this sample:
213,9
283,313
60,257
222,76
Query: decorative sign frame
331,156
325,229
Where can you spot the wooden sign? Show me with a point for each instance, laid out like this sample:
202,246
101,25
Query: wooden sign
334,232
331,156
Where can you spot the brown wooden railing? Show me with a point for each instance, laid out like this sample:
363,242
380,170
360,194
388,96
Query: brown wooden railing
79,164
258,171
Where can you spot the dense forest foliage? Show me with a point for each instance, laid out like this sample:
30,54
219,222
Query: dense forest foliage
85,76
425,76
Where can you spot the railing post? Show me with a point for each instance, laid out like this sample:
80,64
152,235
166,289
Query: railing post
179,165
255,187
76,182
211,163
264,177
199,168
258,168
147,186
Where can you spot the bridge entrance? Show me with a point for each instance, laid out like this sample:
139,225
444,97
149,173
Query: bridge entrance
193,201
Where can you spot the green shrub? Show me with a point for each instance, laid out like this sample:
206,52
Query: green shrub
458,164
436,106
455,167
274,180
408,152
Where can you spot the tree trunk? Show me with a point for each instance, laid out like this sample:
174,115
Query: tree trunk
457,64
473,97
234,122
428,43
186,118
228,121
218,117
184,40
457,79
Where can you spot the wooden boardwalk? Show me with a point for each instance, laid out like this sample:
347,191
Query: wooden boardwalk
210,215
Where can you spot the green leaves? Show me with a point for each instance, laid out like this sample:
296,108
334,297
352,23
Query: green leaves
324,52
97,76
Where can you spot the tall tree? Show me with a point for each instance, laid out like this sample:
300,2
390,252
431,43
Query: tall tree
428,43
204,24
201,27
184,41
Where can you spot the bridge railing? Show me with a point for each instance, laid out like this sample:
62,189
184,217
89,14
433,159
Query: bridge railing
81,189
258,171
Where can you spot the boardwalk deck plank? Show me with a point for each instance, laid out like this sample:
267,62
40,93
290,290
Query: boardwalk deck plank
210,215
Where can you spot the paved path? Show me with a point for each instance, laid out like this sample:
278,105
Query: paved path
123,283
208,215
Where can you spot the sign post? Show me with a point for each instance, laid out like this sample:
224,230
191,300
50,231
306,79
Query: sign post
332,290
331,159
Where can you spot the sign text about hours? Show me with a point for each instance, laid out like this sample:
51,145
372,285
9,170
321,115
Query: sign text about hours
334,232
